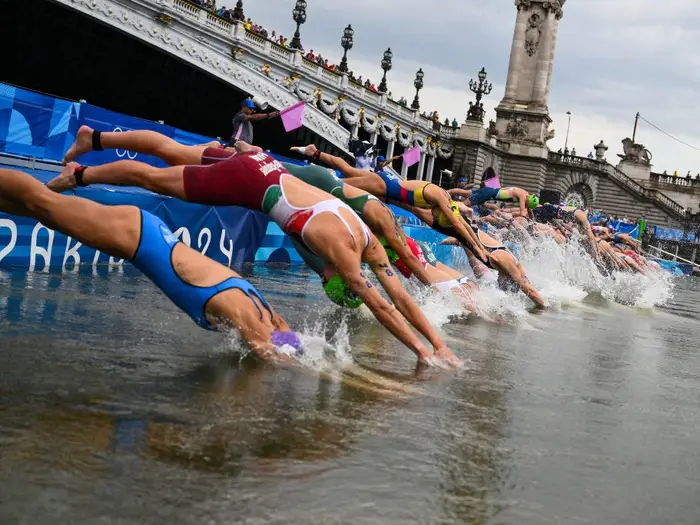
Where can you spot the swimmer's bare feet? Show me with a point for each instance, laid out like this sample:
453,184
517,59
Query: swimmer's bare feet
82,144
66,180
244,147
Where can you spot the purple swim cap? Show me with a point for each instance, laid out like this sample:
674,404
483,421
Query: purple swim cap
288,338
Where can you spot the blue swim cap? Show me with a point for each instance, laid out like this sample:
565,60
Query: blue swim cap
380,158
462,180
248,103
280,339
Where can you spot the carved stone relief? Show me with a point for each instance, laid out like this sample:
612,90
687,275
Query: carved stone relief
517,129
533,33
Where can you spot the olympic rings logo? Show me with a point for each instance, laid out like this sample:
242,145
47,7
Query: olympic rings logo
121,153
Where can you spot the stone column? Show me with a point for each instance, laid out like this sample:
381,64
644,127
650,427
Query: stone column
421,167
390,149
517,52
354,130
373,138
404,170
544,60
431,168
555,33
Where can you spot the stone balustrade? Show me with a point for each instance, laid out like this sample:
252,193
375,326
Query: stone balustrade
679,182
333,83
632,185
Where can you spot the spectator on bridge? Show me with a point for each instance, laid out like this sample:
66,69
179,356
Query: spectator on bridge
242,127
590,155
447,122
573,152
455,124
675,173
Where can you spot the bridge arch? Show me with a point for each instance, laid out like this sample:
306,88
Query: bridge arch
579,189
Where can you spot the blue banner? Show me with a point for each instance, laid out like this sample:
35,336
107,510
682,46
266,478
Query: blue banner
43,127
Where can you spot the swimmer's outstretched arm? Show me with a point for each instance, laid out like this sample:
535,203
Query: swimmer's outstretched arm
522,200
376,257
460,191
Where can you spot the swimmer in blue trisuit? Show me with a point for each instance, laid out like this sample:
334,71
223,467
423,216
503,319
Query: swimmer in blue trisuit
484,194
211,294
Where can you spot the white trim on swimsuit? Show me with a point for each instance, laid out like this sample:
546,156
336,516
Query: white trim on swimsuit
282,212
447,286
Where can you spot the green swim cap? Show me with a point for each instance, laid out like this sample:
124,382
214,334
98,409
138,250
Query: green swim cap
533,201
340,293
393,256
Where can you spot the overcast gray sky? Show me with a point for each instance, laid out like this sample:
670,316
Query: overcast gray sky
614,58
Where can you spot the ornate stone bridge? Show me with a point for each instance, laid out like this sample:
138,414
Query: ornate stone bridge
515,145
274,73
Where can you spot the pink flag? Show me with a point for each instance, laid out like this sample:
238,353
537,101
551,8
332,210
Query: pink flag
293,117
493,182
412,156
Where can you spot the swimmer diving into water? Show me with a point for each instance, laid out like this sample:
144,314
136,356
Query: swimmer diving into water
375,214
420,194
315,219
211,294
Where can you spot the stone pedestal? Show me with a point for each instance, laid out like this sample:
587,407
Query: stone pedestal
472,130
636,170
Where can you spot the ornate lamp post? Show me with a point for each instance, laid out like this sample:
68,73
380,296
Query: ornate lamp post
418,84
238,11
299,16
481,88
386,66
346,41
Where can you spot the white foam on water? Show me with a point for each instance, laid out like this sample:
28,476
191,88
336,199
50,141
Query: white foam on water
567,274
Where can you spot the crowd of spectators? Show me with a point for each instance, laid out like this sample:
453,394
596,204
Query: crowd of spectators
257,29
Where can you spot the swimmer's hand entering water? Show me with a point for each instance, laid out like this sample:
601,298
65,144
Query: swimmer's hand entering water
446,356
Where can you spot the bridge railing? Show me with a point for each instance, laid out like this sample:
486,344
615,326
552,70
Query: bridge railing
671,206
295,59
683,181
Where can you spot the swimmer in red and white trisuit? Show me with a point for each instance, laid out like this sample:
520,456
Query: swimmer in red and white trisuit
322,223
211,294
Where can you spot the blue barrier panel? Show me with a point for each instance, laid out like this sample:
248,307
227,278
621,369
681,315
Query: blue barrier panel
36,125
229,235
43,127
